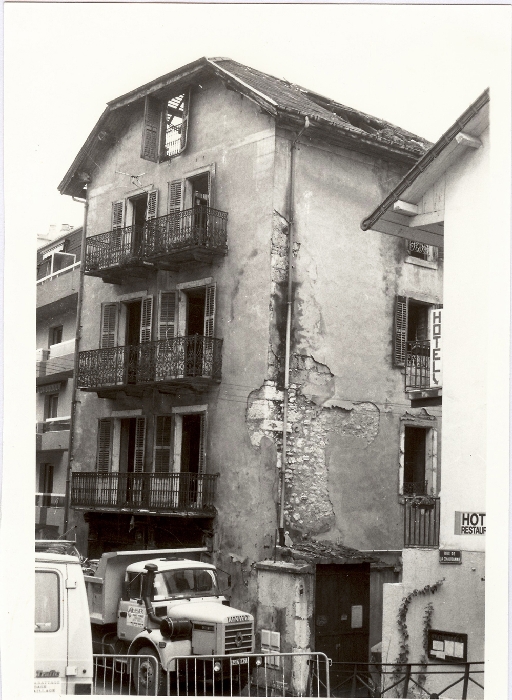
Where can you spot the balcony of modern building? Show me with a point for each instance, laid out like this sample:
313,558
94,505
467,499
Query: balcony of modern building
58,277
56,363
188,494
49,515
169,365
53,434
167,242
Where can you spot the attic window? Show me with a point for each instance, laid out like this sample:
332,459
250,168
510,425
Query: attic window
165,127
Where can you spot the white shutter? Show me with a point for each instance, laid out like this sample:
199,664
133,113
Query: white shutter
151,130
108,333
175,196
118,214
163,443
104,454
167,316
140,444
146,317
184,125
209,311
152,207
400,331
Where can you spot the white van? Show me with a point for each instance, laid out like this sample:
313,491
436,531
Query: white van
63,645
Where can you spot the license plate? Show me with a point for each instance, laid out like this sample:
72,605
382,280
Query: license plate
240,662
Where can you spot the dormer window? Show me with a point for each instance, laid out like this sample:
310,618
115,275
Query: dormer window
165,127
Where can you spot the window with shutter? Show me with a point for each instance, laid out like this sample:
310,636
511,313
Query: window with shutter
151,130
163,443
140,444
167,316
146,317
108,334
104,455
176,124
209,311
400,334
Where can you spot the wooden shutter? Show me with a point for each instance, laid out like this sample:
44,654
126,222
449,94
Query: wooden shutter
175,190
202,444
167,316
184,124
151,130
152,207
209,311
400,334
104,455
118,214
108,334
146,317
163,443
140,444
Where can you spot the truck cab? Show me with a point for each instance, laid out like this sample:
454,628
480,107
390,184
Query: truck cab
63,645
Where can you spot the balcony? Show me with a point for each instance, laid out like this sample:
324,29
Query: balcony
49,515
165,243
53,434
180,493
190,361
417,372
55,364
421,521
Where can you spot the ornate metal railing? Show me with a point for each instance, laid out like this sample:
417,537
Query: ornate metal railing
178,358
158,491
417,364
200,226
421,521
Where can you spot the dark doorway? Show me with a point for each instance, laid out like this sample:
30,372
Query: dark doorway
417,321
140,205
191,443
414,461
342,621
45,483
127,445
200,204
195,312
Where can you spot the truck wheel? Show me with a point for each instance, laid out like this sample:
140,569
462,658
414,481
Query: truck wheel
148,677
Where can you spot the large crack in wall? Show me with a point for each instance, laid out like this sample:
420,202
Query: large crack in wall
314,421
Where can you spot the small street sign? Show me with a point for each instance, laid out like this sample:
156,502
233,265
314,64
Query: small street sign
450,556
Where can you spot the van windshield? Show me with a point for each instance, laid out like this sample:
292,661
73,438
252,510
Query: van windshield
185,583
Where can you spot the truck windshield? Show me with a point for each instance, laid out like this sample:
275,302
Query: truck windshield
185,583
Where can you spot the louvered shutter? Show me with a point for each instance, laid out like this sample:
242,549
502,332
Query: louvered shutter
140,444
209,311
400,336
167,316
118,214
184,125
152,207
104,456
175,190
151,131
146,317
108,334
163,443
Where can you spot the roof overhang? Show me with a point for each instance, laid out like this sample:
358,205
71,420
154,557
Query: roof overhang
398,214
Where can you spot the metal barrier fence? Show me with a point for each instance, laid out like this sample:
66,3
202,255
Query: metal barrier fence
125,674
379,680
299,674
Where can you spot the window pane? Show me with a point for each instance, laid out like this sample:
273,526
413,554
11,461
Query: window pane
47,601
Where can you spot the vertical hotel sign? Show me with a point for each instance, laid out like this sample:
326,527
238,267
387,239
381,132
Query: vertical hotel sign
436,362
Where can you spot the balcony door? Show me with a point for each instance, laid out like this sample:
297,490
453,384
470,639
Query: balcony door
136,324
141,209
189,455
196,323
132,436
200,202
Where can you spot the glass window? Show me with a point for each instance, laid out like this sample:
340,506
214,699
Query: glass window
185,583
136,585
47,601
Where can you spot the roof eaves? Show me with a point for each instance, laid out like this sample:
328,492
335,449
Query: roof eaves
426,160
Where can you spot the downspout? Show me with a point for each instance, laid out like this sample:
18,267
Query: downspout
289,303
75,366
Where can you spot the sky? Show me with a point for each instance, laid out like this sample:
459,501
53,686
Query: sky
417,66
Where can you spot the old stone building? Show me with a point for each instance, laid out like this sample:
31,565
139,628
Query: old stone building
249,362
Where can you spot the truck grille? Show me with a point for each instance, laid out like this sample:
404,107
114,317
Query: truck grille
238,637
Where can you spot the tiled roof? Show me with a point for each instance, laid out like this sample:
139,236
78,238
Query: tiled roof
296,99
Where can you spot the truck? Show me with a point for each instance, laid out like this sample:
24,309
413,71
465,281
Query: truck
63,656
164,604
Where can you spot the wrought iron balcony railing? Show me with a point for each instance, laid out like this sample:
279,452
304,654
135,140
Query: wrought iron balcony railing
417,365
159,239
172,361
159,492
421,521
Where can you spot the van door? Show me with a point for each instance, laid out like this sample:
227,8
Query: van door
51,638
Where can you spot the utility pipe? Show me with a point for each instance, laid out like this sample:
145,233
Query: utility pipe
75,364
289,303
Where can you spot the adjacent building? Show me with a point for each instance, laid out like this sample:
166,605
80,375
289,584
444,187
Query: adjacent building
58,277
447,193
253,372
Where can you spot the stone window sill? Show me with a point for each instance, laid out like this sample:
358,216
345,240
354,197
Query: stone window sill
431,264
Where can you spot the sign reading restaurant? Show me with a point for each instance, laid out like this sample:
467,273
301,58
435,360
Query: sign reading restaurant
436,363
467,523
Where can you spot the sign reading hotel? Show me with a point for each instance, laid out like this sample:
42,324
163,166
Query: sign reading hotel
436,363
469,523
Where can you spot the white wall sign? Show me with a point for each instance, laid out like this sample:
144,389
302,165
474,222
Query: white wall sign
436,363
467,523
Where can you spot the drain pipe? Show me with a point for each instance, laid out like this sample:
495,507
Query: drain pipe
75,365
289,303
